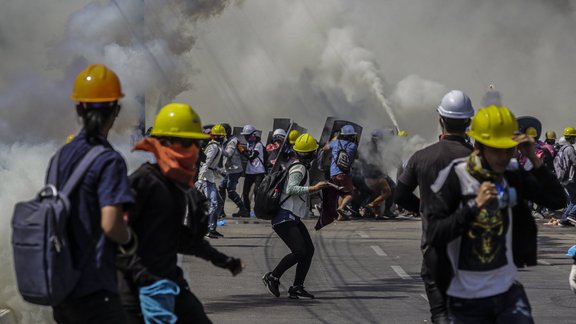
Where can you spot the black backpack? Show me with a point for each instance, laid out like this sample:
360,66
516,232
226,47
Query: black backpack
343,160
43,262
267,196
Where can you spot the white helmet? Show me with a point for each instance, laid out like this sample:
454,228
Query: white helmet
279,132
456,105
248,129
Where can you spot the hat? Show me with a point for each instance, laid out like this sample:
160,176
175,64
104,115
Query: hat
571,251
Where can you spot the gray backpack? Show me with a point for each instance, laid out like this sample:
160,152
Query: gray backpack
43,262
560,168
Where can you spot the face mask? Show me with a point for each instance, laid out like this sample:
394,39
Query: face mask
175,161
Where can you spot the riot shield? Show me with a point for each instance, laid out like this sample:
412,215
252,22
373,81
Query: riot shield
283,123
283,152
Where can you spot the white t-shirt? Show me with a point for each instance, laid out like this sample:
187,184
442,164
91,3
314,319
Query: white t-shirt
256,166
481,258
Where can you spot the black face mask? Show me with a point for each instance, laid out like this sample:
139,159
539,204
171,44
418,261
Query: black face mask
306,158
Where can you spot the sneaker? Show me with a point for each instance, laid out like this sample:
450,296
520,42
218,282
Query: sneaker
296,292
571,219
211,235
272,284
218,234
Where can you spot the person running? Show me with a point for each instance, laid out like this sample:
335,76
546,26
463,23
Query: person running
344,151
169,217
288,225
210,171
233,168
96,226
455,112
255,169
479,218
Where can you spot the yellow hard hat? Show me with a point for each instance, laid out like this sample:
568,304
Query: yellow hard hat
218,130
402,133
96,83
305,143
178,120
293,136
69,138
569,131
531,131
494,127
551,135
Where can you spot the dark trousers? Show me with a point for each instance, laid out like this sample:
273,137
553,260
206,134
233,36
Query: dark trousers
249,180
228,185
298,240
99,307
188,308
436,298
511,307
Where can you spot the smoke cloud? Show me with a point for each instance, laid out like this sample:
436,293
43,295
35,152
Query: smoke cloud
377,63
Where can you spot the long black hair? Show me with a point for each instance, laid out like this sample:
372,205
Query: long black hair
95,116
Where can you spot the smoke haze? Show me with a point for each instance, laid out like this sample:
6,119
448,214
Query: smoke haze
369,61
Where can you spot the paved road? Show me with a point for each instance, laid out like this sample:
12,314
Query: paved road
363,272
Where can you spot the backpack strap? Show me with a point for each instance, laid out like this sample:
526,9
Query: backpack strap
304,179
81,169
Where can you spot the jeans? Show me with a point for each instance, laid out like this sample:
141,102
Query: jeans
99,307
571,207
249,180
511,307
297,238
228,185
216,204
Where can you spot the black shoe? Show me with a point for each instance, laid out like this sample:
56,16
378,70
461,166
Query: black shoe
215,232
295,292
223,215
243,212
272,284
212,235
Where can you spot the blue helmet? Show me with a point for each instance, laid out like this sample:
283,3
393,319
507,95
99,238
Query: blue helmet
347,130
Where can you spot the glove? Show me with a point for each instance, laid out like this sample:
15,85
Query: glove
573,278
131,246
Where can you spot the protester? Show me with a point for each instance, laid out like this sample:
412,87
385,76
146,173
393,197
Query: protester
233,171
288,225
344,151
95,220
255,169
479,220
455,111
565,167
169,217
210,171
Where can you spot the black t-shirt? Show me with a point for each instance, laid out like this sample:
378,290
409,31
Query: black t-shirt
424,166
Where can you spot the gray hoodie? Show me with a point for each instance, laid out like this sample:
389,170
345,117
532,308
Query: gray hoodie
232,160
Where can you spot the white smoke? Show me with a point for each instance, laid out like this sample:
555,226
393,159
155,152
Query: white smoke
365,61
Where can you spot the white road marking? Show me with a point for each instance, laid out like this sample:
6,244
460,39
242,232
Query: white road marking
362,234
544,262
400,272
378,250
424,296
